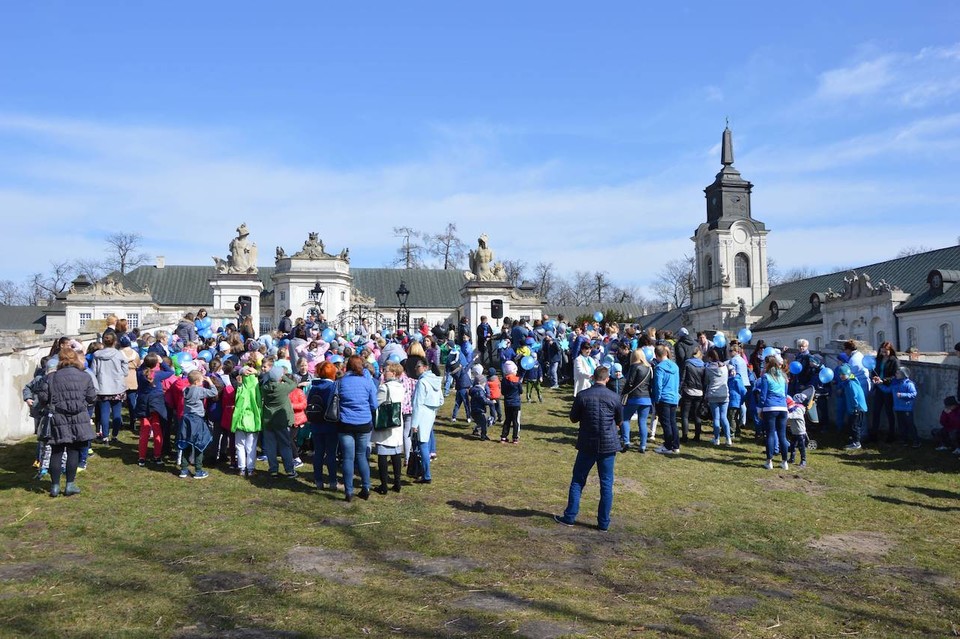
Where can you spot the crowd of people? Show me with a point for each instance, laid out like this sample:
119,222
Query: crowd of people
230,397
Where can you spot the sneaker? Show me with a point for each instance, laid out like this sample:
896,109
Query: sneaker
853,446
81,468
433,456
35,464
201,474
158,461
791,459
784,465
516,441
292,474
297,463
503,440
141,462
243,472
643,451
716,441
261,458
729,442
114,441
769,464
663,450
184,473
803,463
560,520
916,445
956,451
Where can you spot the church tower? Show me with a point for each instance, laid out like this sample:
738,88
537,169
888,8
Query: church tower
730,249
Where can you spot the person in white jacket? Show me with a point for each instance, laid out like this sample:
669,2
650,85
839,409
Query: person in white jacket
583,367
389,440
427,399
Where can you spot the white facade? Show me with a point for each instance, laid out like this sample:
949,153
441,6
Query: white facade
935,330
294,278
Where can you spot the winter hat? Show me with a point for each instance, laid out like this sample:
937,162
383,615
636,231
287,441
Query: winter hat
948,402
683,332
276,373
52,364
510,368
224,347
800,398
477,370
492,372
124,341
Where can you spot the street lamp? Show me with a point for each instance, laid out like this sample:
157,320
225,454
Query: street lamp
316,294
403,314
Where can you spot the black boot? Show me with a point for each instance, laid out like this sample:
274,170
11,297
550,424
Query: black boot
382,470
397,461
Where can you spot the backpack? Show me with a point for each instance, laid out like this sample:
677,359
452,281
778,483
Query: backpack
315,407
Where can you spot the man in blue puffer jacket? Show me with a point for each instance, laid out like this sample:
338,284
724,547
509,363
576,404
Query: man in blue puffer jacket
904,393
599,413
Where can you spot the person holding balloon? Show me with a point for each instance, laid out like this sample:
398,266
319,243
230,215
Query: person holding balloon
772,391
884,369
532,374
186,329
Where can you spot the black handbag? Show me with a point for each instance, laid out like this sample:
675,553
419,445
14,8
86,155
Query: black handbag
45,427
415,463
332,414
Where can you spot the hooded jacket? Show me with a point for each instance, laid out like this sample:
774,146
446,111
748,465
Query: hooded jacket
666,383
110,368
186,330
427,399
683,349
772,392
715,383
904,393
247,406
693,378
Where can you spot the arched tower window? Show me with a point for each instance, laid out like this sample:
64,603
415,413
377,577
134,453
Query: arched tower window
708,272
741,270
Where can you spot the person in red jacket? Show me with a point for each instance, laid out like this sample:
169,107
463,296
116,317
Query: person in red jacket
298,399
493,386
948,436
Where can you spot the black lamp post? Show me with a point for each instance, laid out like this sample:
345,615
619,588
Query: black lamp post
403,314
316,295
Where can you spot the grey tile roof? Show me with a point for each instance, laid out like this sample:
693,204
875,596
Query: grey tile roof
570,313
189,285
429,288
671,320
909,273
184,285
23,318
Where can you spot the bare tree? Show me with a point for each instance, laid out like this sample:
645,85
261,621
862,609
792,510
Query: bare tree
602,284
544,280
123,252
907,251
798,273
448,247
93,269
516,270
13,294
674,282
410,253
579,290
773,272
55,282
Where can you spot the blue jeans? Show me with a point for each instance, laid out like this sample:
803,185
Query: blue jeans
642,411
775,423
425,457
278,439
325,455
719,410
433,442
110,419
907,427
132,397
447,383
354,447
581,468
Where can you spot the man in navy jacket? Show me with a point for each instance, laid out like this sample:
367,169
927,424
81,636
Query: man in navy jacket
599,413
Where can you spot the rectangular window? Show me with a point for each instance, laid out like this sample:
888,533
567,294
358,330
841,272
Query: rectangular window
133,320
946,338
265,325
106,315
881,338
911,337
85,317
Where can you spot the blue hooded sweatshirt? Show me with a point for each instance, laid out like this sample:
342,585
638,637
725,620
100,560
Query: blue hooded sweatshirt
666,383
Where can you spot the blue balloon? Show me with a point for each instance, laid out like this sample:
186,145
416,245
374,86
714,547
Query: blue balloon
328,335
527,363
719,340
206,333
869,362
598,316
826,375
205,356
394,359
536,346
648,353
185,357
745,335
768,351
796,367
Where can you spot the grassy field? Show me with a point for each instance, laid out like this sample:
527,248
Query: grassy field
705,544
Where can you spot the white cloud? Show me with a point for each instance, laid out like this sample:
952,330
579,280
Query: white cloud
900,79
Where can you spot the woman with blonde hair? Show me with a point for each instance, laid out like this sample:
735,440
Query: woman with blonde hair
636,399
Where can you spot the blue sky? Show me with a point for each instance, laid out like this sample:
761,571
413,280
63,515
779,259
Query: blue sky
581,136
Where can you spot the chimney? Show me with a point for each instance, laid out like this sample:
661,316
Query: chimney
161,262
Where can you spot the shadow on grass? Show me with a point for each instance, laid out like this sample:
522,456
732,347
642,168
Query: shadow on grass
903,502
501,511
936,493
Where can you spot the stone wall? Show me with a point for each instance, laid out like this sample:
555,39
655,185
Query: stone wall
934,381
17,366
